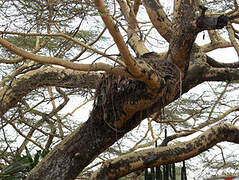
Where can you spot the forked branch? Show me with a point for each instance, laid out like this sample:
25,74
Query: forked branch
139,70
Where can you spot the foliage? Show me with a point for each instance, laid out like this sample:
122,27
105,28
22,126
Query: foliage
21,165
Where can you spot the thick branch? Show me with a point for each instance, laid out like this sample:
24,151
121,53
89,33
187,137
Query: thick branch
212,62
130,102
183,35
123,165
12,94
221,74
159,18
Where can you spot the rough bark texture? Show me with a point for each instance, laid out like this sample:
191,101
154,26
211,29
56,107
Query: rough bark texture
122,103
119,106
123,165
17,89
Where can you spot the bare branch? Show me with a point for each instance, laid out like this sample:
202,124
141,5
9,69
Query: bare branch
183,34
16,60
216,42
212,62
10,96
118,39
139,69
57,61
221,74
66,37
123,165
135,42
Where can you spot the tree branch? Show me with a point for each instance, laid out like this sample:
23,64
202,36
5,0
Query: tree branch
217,41
183,35
232,37
12,94
159,18
19,59
135,42
57,61
212,62
118,39
139,69
123,165
62,35
221,74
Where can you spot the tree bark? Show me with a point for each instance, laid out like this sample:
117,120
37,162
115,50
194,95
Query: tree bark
121,104
123,165
13,93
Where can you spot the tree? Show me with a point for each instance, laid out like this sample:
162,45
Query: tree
139,84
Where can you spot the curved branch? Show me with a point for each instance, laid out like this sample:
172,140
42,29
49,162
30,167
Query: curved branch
212,62
123,165
11,95
68,38
212,46
57,61
19,59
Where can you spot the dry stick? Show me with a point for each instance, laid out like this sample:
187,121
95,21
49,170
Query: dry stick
71,113
29,135
223,157
200,126
90,44
23,135
49,89
138,143
217,101
38,124
209,122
